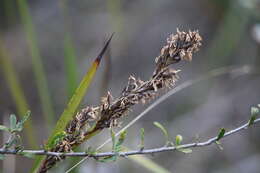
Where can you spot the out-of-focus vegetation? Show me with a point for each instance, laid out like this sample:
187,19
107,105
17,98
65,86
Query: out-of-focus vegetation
46,47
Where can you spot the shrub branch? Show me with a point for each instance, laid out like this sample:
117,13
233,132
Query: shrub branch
129,153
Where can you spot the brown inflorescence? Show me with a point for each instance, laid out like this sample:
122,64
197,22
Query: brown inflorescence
91,120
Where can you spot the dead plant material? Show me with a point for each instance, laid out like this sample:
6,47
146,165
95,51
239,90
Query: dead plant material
91,120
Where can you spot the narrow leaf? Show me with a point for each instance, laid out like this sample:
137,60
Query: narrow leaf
221,134
78,95
25,118
160,126
13,122
115,146
178,140
74,102
113,139
254,111
252,120
142,139
20,124
70,65
36,60
120,141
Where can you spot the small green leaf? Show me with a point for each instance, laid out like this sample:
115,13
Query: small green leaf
120,141
113,138
160,126
221,134
19,125
185,150
13,122
2,156
254,111
25,117
178,140
4,128
251,121
142,139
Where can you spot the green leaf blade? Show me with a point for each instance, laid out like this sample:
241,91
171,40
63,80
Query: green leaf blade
142,139
73,104
254,113
221,134
79,94
178,140
70,65
163,129
13,121
120,141
37,64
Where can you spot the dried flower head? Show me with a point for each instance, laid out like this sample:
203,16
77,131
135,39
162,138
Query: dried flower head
179,47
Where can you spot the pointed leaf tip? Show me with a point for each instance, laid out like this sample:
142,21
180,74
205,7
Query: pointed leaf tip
99,57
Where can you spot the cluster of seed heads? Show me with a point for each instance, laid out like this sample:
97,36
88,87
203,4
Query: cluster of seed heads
90,120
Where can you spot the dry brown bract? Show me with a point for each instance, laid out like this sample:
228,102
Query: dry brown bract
92,120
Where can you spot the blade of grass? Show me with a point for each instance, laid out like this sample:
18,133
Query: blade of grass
78,95
17,93
70,65
69,51
37,64
74,102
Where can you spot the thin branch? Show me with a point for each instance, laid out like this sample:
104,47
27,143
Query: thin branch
129,153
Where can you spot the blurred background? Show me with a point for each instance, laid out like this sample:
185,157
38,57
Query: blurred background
46,47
